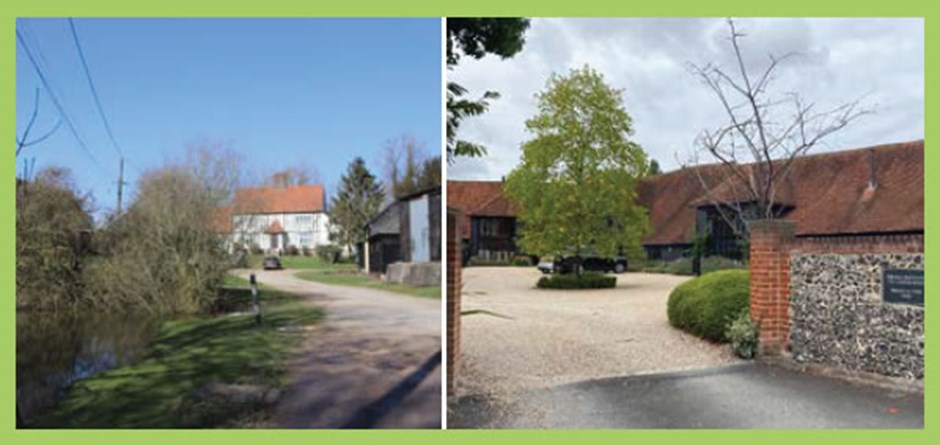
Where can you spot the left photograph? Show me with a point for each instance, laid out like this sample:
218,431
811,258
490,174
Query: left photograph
228,223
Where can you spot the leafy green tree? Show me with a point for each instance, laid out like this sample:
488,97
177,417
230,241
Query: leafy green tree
576,186
356,202
475,37
653,168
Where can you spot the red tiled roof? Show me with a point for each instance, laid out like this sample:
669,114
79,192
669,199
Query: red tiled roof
468,196
221,220
294,199
668,198
829,192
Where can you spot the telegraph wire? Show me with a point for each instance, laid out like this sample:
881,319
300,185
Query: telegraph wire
94,91
55,101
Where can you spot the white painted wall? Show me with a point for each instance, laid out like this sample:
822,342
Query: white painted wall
419,230
302,229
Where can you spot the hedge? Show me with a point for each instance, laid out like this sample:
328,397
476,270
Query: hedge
704,306
570,281
519,261
683,266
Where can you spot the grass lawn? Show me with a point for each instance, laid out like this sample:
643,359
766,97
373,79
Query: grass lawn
362,280
160,391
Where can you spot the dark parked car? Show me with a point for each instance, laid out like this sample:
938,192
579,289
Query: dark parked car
589,263
272,263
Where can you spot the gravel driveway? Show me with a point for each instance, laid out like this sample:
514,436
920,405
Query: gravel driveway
516,337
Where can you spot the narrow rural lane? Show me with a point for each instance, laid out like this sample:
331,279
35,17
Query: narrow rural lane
374,362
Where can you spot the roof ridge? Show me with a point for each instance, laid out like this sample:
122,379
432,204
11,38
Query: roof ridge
816,155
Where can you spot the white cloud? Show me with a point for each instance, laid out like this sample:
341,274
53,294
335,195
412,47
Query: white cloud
839,60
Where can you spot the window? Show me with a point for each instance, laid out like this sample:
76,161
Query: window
305,239
261,223
303,219
490,227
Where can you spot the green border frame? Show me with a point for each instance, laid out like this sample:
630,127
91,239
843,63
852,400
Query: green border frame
431,8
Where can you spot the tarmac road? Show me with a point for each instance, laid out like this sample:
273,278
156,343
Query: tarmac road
738,396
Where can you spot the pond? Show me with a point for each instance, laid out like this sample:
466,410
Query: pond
53,350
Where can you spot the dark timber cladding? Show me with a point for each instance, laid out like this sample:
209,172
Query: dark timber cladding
861,192
383,236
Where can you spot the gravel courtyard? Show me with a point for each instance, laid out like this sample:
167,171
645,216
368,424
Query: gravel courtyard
516,337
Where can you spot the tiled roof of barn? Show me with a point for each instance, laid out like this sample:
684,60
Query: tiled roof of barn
668,197
468,196
829,193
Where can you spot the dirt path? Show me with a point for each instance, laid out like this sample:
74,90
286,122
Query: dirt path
374,362
516,337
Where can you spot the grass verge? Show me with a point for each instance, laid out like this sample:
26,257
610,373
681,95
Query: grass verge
167,388
362,280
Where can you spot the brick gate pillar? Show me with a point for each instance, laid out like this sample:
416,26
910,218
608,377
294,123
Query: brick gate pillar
453,265
770,282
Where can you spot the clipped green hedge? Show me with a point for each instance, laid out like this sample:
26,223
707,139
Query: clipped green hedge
704,306
683,266
518,261
588,280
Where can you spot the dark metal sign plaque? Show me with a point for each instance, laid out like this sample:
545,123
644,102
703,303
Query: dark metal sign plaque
905,286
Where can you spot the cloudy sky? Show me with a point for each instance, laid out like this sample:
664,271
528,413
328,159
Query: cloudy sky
840,60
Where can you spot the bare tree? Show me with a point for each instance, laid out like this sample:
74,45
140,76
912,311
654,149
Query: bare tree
218,167
300,174
29,164
167,253
756,150
24,141
407,167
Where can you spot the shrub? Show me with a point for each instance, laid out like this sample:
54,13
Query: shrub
743,335
585,281
292,250
159,261
256,249
705,305
306,251
329,253
517,261
521,261
683,266
52,219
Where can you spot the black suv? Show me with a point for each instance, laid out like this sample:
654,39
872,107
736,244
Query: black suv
591,263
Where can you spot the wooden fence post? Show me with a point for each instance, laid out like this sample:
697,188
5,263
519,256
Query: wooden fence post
255,301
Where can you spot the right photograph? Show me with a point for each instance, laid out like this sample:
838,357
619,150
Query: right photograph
684,223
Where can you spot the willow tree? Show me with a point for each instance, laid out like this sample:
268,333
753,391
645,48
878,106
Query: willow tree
575,190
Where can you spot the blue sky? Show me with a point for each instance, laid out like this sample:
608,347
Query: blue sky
282,91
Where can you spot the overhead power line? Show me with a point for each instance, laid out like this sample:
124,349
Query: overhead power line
55,101
94,91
